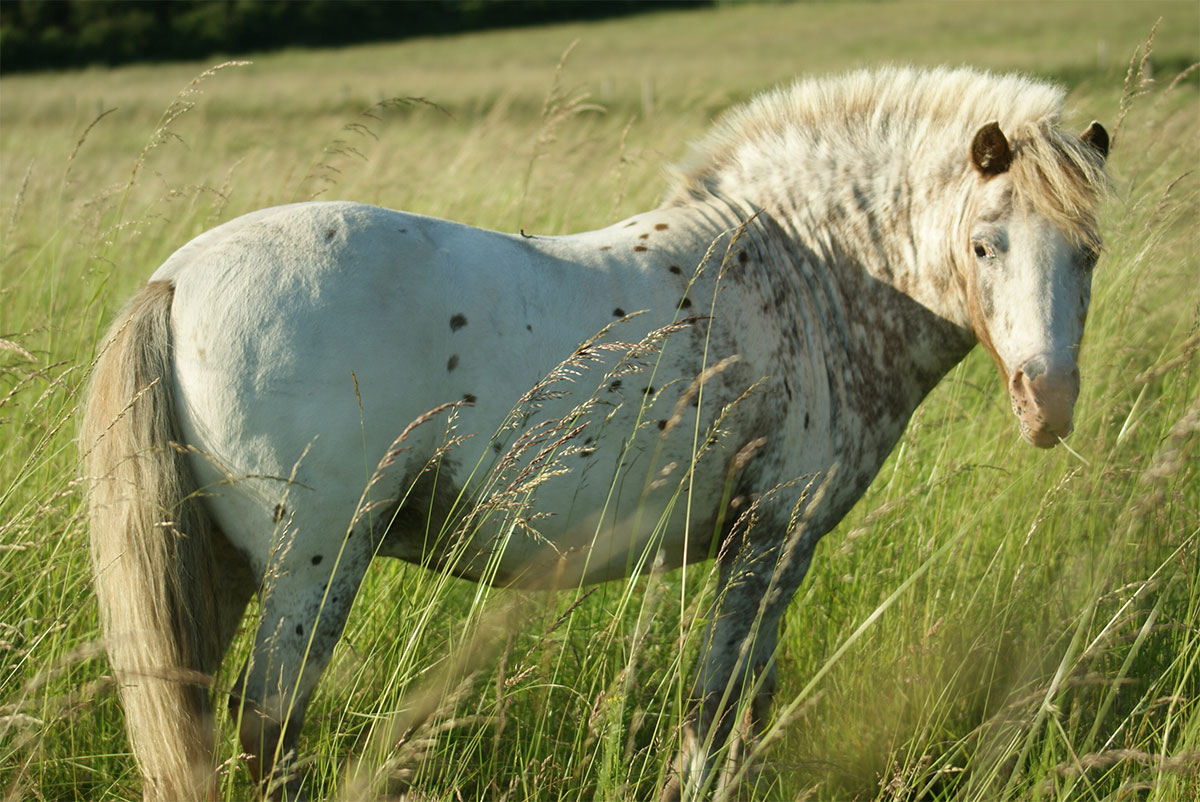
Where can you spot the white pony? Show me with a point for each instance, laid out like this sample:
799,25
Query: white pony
719,377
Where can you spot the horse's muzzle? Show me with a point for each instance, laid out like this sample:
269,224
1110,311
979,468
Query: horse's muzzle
1043,392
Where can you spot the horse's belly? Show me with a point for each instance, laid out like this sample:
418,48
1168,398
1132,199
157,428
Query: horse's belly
574,527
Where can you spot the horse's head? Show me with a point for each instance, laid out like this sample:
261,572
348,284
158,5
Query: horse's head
1029,246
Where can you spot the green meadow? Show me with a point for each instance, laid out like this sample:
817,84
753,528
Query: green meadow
991,622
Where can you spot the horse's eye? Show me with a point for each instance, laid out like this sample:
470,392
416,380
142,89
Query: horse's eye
982,251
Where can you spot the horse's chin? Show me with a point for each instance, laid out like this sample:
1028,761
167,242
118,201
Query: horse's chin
1044,438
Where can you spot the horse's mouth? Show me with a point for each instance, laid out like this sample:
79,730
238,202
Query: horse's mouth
1043,437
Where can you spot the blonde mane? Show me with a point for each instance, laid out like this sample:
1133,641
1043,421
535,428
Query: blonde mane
910,113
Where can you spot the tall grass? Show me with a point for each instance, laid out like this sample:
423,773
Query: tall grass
988,623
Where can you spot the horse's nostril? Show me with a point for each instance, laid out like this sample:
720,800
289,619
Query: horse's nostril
1035,368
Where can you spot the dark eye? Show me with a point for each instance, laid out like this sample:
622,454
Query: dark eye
983,252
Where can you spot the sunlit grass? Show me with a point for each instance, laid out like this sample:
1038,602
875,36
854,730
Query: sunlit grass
1037,612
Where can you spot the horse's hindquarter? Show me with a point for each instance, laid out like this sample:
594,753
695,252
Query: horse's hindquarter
309,337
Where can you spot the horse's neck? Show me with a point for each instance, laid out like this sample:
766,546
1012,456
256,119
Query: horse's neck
867,256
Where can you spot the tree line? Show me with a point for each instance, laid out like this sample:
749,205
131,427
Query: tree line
54,34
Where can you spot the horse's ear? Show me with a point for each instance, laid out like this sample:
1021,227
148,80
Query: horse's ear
1097,137
990,153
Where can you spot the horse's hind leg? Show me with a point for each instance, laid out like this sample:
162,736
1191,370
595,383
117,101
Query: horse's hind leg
236,584
305,600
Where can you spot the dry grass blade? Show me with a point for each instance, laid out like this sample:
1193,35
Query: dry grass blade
326,173
180,106
79,143
9,345
1138,79
18,202
557,108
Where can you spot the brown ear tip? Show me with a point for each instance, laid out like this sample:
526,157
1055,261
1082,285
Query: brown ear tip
989,131
990,152
1097,137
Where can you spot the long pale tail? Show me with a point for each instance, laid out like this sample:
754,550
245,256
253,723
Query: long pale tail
152,552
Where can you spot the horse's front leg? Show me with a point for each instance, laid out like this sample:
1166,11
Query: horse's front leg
736,678
306,598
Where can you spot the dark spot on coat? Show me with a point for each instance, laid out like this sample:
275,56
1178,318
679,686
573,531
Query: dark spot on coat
618,312
316,560
528,327
661,227
588,441
300,629
402,230
280,512
606,247
639,247
587,452
644,236
805,420
452,362
470,399
662,424
631,223
330,234
496,446
686,303
615,384
676,269
743,257
647,391
458,321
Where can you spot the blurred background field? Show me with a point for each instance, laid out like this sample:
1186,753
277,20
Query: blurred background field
990,622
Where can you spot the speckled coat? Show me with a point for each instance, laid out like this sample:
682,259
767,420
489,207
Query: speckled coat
722,376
